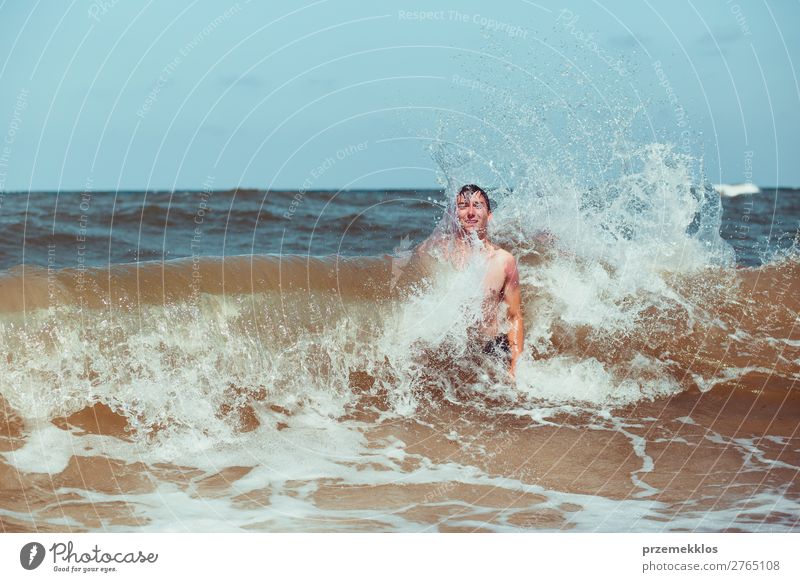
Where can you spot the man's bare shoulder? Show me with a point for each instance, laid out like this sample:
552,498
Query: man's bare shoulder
506,261
503,254
504,257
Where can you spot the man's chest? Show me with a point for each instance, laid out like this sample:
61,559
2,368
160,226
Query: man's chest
495,279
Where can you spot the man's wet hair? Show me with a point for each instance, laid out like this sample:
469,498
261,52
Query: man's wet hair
469,189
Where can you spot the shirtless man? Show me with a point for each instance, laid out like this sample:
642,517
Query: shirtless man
501,283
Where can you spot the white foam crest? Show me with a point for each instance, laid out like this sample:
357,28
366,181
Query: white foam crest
441,311
441,316
569,379
653,215
46,450
172,367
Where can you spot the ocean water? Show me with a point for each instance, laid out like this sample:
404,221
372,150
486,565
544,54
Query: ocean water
284,361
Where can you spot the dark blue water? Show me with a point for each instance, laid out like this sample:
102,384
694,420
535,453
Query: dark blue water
70,229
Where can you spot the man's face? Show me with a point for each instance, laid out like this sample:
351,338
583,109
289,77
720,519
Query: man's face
473,214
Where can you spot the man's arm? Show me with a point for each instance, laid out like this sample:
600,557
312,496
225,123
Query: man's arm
511,296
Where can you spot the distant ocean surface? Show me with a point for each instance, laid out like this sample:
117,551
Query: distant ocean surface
97,228
282,361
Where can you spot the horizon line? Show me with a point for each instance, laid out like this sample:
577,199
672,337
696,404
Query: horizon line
289,190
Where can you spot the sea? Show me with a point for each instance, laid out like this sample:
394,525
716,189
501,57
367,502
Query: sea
249,360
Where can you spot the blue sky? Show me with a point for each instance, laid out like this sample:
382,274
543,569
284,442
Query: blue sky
329,94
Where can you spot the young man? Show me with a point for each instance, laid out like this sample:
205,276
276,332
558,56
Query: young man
501,282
